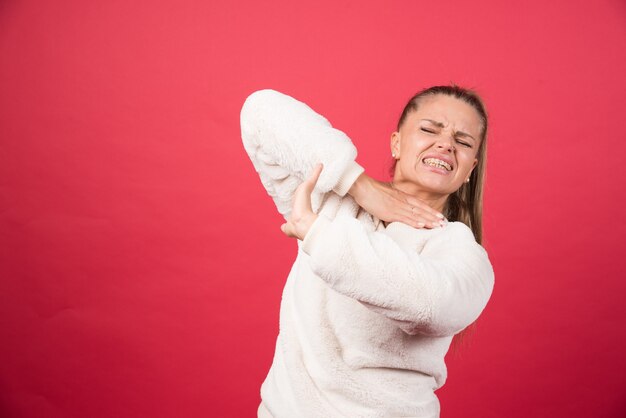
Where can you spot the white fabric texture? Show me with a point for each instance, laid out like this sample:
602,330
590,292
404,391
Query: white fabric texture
367,312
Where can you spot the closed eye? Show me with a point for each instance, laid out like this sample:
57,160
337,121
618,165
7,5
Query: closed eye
430,131
465,144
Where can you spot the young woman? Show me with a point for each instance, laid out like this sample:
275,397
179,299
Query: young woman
386,274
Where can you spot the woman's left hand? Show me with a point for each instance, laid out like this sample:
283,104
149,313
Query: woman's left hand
302,215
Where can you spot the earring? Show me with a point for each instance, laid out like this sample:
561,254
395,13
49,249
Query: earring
393,154
467,180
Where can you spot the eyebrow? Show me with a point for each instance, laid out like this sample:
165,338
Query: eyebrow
457,133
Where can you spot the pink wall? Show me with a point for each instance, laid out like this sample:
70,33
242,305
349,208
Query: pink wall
142,263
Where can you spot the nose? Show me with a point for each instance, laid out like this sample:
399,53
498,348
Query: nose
445,143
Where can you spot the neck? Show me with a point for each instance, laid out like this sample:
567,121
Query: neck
434,200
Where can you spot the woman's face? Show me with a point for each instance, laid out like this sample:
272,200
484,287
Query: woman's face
436,146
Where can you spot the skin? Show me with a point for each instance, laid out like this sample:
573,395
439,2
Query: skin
457,138
442,125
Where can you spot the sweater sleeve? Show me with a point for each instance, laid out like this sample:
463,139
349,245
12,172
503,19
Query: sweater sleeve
437,292
285,139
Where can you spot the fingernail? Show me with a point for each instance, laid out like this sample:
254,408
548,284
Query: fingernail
439,215
421,224
436,224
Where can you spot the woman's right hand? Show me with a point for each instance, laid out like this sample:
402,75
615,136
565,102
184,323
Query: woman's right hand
392,205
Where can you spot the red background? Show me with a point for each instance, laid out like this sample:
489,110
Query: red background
142,263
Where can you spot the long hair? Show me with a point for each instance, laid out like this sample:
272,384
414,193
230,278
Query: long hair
466,204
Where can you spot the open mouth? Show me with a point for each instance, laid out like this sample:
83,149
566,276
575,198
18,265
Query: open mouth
437,163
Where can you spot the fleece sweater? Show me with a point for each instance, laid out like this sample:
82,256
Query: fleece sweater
368,311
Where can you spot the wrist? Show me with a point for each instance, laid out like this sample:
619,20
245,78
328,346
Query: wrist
359,186
305,225
347,178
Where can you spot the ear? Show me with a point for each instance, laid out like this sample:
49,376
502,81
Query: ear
473,165
395,145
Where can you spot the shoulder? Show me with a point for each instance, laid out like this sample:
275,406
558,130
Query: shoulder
452,231
457,231
454,237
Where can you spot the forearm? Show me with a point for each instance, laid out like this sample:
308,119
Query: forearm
389,204
359,187
369,267
284,137
437,292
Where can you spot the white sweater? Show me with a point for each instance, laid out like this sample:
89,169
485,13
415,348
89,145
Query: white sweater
367,312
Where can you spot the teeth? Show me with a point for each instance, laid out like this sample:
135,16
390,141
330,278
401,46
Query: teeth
436,162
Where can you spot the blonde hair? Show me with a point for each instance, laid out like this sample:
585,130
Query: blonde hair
466,204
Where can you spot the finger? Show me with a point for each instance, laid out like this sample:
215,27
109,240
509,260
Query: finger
420,204
419,214
425,208
426,211
420,223
302,195
421,219
412,219
287,229
409,202
313,177
412,222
